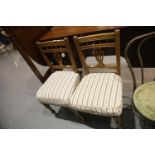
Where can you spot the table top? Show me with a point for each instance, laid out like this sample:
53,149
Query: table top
144,100
66,31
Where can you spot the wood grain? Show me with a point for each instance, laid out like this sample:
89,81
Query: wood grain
96,48
66,31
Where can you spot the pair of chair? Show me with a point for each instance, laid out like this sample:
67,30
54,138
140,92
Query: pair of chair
95,93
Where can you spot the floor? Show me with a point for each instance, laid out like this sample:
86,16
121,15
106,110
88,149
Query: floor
18,106
19,109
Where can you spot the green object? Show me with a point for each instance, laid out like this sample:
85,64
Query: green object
144,100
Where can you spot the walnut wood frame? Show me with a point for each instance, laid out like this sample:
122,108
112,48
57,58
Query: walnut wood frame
56,47
94,41
90,43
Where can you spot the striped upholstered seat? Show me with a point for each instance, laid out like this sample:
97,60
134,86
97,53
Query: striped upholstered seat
99,93
58,88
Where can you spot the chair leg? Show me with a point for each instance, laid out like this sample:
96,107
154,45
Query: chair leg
49,108
79,116
118,121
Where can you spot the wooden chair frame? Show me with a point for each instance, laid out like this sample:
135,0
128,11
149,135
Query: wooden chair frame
56,47
94,42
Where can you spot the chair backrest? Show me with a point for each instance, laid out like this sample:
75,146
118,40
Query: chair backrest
96,45
141,39
57,54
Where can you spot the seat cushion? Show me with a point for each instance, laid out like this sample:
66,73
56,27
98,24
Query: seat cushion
144,100
58,88
99,93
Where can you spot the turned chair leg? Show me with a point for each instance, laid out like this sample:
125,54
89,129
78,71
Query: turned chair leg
49,108
79,116
118,121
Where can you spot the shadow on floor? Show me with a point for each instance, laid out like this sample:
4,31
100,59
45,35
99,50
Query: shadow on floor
98,122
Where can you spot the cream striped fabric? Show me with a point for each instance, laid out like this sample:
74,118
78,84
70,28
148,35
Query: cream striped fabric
99,93
58,88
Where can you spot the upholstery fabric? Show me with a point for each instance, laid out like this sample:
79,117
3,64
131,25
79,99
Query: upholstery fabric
58,88
99,93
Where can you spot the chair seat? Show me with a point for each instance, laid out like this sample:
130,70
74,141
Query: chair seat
58,88
144,100
99,93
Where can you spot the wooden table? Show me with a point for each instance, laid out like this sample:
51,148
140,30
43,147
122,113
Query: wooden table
24,39
67,31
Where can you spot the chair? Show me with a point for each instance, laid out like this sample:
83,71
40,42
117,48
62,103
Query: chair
143,95
60,85
99,93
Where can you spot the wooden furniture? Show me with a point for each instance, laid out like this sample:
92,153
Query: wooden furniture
97,43
60,85
105,88
126,34
99,93
58,32
57,48
144,95
24,39
67,31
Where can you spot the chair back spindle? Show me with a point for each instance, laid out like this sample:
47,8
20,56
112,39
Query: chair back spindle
97,45
54,52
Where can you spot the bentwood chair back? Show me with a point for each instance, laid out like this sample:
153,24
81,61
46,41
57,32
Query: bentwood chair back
143,93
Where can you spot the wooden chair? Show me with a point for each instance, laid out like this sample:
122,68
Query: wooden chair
60,85
144,93
99,93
